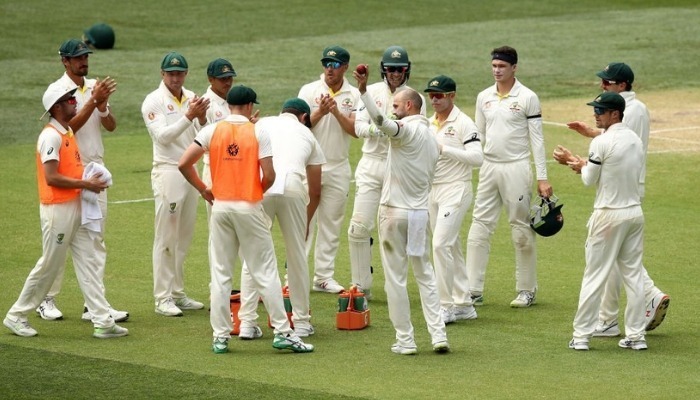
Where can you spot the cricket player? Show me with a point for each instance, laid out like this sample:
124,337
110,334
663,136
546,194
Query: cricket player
297,158
94,113
172,115
60,182
242,170
220,74
403,216
616,227
333,102
451,196
509,120
395,68
618,77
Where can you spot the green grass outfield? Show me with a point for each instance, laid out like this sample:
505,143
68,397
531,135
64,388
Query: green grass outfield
275,47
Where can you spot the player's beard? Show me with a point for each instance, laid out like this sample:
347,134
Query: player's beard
81,70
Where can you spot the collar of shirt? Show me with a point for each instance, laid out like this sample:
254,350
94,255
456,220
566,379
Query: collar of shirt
628,95
514,91
167,93
59,128
236,119
345,88
454,113
214,97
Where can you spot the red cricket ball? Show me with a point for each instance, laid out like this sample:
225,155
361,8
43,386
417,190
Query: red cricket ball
361,69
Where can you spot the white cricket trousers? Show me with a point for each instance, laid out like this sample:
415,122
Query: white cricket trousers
615,241
206,178
507,185
369,178
448,205
99,251
290,212
393,237
175,217
241,226
610,304
61,230
328,220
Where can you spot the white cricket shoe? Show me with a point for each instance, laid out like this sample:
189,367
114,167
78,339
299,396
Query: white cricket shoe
185,303
628,343
464,312
524,299
604,329
19,327
441,347
448,316
250,332
578,344
304,331
328,286
118,316
656,311
113,331
292,342
404,350
168,308
47,310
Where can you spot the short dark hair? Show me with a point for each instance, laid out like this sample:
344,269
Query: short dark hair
622,114
505,53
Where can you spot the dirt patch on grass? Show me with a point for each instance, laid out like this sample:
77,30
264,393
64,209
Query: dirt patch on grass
675,118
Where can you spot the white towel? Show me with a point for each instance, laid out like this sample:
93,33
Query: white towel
417,231
277,188
91,213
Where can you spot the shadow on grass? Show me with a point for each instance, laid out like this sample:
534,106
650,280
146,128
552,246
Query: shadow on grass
32,374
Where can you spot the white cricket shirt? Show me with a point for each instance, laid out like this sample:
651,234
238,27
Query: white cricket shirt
615,162
167,125
461,147
334,142
511,126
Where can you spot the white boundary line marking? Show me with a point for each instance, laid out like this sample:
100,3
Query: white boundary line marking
686,128
131,201
655,132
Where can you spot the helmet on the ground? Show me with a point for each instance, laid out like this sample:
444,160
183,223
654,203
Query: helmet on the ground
395,56
100,36
546,218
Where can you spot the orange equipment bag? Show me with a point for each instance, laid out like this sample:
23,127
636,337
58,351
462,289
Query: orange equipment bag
235,306
353,313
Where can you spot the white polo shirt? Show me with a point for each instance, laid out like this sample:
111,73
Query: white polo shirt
167,125
637,118
461,147
615,162
294,147
334,142
511,126
411,160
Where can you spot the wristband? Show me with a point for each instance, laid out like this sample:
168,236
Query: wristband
103,114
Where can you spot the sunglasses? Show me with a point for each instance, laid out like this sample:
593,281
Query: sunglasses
608,83
438,96
600,110
331,64
71,100
395,69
